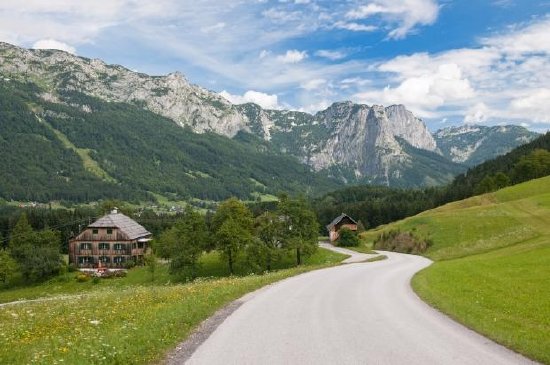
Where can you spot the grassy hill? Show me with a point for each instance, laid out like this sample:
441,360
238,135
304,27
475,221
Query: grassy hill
492,269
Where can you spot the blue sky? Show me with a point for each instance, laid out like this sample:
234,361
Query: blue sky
449,61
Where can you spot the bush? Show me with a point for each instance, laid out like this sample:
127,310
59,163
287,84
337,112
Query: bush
82,277
405,242
96,279
129,264
348,238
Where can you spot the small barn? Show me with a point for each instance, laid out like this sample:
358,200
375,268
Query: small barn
111,241
342,221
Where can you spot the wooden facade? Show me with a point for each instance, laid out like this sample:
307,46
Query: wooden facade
110,242
342,221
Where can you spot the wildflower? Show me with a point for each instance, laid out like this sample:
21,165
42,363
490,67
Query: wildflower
95,322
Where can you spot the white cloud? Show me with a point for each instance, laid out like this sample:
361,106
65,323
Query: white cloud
263,54
264,100
213,28
404,14
355,27
534,105
313,84
292,56
477,113
331,55
505,78
53,44
427,90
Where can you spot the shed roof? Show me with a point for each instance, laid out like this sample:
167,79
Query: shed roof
339,219
127,225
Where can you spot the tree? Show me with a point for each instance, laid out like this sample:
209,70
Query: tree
347,238
151,262
486,185
36,253
534,165
8,267
184,243
301,227
232,225
501,180
269,229
360,227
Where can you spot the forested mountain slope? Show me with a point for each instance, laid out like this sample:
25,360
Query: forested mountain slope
81,148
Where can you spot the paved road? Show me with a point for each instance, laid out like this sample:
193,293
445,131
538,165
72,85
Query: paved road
362,313
354,256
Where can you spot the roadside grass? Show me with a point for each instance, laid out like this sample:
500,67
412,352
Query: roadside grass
132,325
210,265
492,270
503,294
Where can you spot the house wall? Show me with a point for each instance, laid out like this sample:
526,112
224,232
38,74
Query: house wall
334,232
131,249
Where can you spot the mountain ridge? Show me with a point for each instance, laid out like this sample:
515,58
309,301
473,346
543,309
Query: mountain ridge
354,143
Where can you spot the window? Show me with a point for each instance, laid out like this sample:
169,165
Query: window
104,246
140,244
109,231
120,246
104,259
85,260
95,231
86,246
119,259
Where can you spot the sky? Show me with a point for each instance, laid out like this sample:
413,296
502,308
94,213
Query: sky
449,61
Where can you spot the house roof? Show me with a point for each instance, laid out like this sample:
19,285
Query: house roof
126,225
339,219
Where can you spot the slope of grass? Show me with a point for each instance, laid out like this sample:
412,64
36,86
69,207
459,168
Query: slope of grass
136,323
492,269
88,162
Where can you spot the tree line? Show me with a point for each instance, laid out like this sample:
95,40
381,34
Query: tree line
255,242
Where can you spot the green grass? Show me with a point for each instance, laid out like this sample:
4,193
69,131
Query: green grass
503,294
130,321
492,269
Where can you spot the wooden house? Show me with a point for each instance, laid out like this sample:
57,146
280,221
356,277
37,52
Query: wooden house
343,220
111,241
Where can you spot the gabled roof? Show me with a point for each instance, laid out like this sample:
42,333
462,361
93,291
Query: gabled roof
126,225
339,219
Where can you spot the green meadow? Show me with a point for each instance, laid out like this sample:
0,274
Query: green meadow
492,264
131,320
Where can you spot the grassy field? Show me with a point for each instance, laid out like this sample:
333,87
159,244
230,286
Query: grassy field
492,269
122,321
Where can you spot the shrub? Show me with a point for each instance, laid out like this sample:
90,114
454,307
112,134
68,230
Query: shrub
129,264
82,277
96,280
347,238
405,242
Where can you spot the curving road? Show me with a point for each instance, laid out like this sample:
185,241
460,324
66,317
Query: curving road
362,313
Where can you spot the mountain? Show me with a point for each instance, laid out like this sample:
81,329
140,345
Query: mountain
352,143
473,144
81,148
358,143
